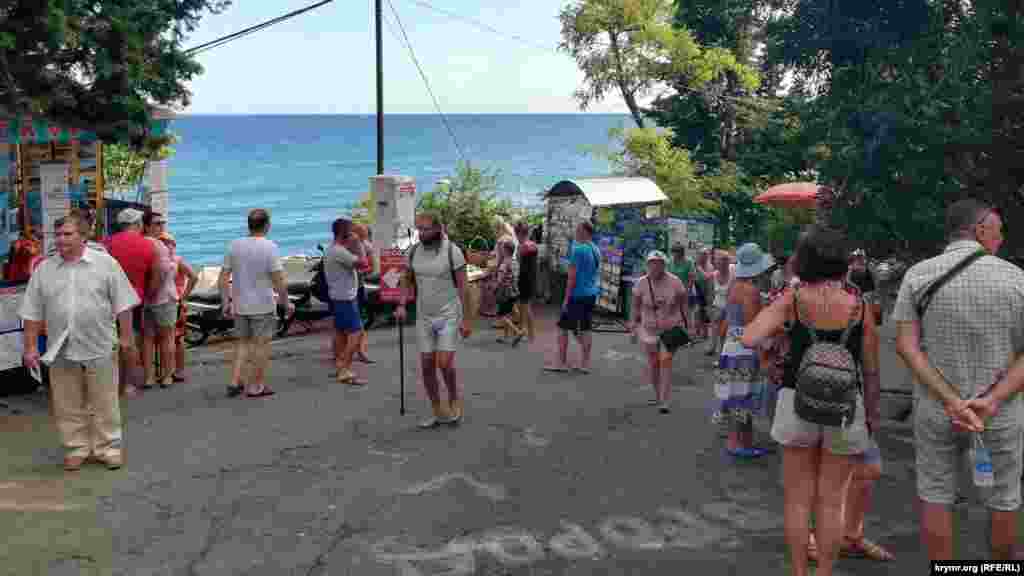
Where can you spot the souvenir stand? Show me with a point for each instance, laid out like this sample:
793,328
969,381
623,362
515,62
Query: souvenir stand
627,219
45,170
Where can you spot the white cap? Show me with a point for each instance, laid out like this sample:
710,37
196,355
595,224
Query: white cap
129,216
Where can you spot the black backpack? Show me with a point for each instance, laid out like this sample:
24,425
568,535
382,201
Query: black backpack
828,379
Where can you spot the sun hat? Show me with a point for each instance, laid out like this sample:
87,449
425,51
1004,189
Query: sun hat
656,255
751,261
129,216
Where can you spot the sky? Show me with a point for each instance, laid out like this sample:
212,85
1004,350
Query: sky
323,62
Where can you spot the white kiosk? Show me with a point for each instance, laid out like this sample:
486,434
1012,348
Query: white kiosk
395,200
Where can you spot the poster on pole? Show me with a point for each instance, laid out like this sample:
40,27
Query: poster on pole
56,201
392,266
12,343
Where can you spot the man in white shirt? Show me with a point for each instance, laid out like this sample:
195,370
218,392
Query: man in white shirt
77,293
251,275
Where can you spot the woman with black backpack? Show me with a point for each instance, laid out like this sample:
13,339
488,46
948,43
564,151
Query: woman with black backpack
827,407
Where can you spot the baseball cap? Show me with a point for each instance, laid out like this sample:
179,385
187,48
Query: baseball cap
657,255
129,216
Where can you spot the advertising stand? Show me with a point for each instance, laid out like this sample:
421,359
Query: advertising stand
45,170
626,215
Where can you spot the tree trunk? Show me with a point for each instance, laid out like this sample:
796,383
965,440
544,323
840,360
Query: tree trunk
628,94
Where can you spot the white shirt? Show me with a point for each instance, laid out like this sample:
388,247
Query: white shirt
251,261
78,301
436,294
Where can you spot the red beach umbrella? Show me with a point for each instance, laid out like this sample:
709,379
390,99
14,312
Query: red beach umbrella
794,195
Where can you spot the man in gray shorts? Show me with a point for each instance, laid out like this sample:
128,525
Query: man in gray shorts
959,351
251,275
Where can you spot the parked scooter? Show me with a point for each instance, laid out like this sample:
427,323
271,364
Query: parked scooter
310,309
204,317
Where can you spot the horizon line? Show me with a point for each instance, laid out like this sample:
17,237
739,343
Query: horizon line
183,114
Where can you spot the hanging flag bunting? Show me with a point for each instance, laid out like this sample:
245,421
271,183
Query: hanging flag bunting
23,130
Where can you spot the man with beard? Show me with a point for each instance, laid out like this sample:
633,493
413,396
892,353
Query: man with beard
437,273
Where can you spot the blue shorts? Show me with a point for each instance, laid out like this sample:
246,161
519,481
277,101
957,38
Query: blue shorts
578,316
346,316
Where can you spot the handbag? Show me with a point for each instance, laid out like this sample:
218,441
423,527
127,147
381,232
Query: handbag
673,338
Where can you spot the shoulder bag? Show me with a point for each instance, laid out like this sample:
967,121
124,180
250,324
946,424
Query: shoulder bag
674,338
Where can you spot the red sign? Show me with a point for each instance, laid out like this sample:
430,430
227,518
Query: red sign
392,267
407,189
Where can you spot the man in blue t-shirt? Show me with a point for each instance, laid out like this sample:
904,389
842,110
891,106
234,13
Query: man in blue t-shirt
581,293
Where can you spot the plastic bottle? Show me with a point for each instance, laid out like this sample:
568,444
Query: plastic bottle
982,458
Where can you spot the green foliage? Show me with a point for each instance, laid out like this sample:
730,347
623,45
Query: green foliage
648,152
468,203
469,206
124,167
98,64
630,46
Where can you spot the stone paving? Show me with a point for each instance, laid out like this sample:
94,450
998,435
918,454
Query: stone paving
549,474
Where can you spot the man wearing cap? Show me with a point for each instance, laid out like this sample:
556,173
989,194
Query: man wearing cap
137,256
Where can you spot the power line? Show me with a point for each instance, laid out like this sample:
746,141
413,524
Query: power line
483,26
225,39
437,105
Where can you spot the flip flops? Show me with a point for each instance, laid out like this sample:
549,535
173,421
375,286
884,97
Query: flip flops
748,453
561,369
235,391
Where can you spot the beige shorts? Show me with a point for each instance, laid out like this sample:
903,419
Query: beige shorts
259,327
437,334
791,431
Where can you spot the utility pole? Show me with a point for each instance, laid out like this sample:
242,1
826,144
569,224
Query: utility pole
380,88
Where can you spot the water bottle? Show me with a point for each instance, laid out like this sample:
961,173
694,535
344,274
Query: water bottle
983,476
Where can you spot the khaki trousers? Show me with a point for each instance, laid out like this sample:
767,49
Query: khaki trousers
86,406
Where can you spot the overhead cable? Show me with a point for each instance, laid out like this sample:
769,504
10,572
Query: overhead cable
426,82
225,39
483,26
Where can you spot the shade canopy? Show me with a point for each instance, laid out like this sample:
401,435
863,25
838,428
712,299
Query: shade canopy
793,195
612,191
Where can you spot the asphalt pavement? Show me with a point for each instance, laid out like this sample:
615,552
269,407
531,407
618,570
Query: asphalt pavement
548,474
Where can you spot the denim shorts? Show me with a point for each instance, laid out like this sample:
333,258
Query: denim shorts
346,316
791,431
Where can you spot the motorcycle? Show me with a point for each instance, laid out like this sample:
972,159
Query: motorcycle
204,316
310,309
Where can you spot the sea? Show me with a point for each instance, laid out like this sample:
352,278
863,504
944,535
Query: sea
309,170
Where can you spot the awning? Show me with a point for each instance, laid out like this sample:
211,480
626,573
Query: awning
611,191
22,130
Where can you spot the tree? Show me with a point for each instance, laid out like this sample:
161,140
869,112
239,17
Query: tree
648,153
97,64
630,46
124,167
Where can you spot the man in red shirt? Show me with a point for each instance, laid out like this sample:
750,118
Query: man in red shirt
137,256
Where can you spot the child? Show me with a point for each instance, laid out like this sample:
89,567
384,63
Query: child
508,293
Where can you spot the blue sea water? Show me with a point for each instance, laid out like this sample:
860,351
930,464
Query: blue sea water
308,170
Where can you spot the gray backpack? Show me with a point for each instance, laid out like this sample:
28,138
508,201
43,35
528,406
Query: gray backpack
828,379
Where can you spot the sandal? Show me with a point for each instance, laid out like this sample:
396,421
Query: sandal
262,393
864,548
234,391
556,368
748,453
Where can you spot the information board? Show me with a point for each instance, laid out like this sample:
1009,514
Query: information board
12,343
392,266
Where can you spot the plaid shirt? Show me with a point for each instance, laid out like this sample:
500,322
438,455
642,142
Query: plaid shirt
974,326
